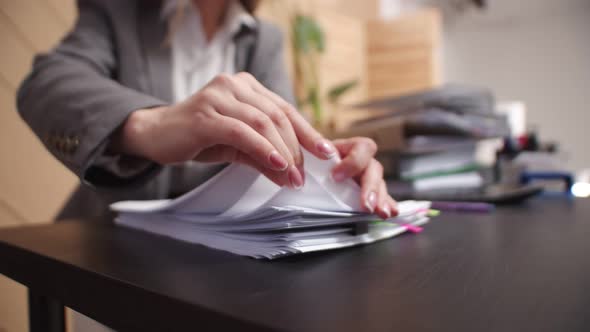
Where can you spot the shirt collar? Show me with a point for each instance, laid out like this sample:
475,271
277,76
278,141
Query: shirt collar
235,18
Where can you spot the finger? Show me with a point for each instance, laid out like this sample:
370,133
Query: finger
237,134
345,145
273,111
244,138
384,205
226,104
357,154
309,138
393,206
370,182
260,122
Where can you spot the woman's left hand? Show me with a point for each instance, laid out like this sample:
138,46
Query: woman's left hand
358,163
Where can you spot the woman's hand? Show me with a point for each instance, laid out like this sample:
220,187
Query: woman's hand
358,163
232,119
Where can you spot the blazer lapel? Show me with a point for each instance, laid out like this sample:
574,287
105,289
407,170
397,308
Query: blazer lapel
152,32
245,41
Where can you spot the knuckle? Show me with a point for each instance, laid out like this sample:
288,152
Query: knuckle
277,115
224,80
288,109
260,123
207,95
200,117
245,75
372,146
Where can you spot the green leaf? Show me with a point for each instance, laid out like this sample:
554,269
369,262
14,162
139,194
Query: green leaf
316,105
339,90
307,34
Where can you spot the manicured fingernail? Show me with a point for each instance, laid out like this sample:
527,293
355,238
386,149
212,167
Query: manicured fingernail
387,210
295,178
338,176
326,149
370,201
394,212
277,161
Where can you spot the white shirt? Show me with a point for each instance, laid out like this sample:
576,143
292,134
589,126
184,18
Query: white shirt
195,61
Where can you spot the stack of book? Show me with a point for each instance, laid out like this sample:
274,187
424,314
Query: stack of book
450,166
243,212
431,140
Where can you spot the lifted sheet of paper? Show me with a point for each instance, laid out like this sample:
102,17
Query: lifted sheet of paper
241,211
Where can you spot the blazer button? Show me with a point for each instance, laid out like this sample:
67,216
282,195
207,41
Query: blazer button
75,143
71,145
67,145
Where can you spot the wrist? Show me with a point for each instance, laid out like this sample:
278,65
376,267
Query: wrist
133,137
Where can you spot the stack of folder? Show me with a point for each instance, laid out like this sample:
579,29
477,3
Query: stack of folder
454,166
243,212
433,140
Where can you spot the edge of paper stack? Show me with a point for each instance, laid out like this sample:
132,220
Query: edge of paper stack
241,211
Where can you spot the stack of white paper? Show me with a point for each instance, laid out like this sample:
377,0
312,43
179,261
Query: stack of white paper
241,211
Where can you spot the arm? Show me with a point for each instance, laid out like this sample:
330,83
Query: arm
73,104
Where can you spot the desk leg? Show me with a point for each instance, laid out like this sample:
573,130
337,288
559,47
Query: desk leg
45,314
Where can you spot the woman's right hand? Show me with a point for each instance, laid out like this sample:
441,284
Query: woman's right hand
233,118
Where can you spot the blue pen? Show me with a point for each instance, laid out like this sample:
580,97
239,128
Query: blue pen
463,206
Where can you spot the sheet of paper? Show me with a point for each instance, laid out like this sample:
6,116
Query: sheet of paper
241,211
239,189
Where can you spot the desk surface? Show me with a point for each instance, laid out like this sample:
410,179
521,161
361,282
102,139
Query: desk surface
523,268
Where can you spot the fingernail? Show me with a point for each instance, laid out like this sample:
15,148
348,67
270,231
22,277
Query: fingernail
370,201
277,161
295,178
326,149
338,176
387,210
394,211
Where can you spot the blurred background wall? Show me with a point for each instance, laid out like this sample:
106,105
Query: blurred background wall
535,51
32,184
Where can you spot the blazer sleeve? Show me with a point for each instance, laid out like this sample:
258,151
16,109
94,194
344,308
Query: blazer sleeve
73,103
272,72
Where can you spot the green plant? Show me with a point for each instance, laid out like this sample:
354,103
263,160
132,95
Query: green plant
308,43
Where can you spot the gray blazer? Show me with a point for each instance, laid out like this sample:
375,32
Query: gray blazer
114,62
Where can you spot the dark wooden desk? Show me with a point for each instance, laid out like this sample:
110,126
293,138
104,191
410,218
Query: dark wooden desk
523,268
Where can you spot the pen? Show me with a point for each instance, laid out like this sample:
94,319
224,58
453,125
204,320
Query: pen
463,206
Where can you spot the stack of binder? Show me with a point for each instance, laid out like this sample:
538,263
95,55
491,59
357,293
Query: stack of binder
430,141
243,212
